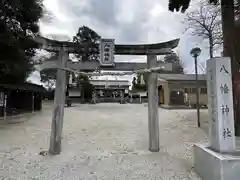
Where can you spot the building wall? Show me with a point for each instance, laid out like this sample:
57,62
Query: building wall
190,95
191,98
165,86
188,90
74,93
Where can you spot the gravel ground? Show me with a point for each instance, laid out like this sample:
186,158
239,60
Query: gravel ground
103,141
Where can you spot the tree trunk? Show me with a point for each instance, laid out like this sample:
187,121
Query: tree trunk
210,46
228,27
230,49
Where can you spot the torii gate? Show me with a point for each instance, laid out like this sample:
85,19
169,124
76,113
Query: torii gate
64,48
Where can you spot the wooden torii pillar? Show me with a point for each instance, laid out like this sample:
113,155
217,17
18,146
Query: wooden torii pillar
153,121
64,48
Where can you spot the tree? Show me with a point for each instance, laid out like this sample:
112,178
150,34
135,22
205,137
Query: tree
86,87
85,35
18,19
206,23
228,20
48,77
175,60
134,82
230,45
137,83
202,67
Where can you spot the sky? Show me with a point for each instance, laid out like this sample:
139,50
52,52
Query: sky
126,21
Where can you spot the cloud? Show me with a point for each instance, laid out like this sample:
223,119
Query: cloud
135,21
34,78
129,22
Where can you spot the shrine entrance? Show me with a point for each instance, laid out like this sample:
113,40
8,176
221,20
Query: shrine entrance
177,97
107,50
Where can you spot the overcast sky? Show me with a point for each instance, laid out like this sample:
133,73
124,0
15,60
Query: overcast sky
126,21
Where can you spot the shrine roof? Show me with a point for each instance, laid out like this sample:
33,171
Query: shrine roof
24,86
182,77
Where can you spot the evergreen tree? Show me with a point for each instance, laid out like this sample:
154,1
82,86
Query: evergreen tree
48,77
18,20
85,35
177,64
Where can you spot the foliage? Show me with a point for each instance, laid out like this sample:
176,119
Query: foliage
86,87
18,19
82,79
90,39
206,23
175,60
170,58
230,45
136,83
48,77
85,35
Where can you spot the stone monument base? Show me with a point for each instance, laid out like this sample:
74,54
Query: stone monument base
211,165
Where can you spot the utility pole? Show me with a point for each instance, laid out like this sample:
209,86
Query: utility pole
197,92
195,52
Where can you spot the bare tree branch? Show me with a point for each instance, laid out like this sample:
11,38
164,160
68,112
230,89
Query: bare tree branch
202,67
205,22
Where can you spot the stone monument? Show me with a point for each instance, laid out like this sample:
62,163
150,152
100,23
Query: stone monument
219,159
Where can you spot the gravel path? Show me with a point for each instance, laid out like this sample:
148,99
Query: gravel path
103,141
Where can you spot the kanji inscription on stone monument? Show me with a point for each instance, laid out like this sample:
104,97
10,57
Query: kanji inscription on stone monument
225,110
224,89
226,133
219,80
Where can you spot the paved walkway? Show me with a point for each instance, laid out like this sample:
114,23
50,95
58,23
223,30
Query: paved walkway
103,141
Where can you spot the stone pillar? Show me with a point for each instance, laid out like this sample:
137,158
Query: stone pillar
220,160
59,103
153,124
221,128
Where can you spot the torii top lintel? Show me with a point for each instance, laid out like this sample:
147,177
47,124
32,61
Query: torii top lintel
120,49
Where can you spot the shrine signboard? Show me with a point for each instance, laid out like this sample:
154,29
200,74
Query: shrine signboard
221,122
107,48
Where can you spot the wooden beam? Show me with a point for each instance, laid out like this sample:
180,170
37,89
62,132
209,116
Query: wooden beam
120,49
91,65
133,51
144,49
